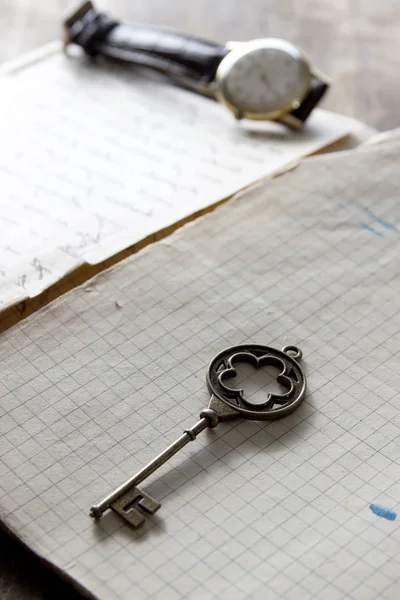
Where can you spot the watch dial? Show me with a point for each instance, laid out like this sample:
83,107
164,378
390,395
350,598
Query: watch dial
266,78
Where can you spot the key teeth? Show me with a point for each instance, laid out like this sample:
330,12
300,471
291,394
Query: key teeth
149,504
131,504
134,517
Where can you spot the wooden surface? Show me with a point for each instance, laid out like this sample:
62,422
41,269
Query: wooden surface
353,41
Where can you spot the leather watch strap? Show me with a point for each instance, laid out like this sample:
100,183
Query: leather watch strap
317,90
177,53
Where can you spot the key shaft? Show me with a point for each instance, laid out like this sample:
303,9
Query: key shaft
189,435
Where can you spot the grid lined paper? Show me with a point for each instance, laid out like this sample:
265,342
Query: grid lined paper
96,384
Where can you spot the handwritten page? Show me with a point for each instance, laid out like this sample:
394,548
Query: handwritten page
95,157
100,381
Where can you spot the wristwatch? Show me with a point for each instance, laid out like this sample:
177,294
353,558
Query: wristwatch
260,79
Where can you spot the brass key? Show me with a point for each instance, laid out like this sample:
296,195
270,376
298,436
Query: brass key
226,403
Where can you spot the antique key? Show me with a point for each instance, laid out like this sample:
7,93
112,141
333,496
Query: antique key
226,403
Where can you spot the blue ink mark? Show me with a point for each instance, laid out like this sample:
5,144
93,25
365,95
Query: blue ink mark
375,217
382,511
371,229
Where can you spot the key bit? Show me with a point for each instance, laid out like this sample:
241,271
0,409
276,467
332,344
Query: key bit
227,402
130,502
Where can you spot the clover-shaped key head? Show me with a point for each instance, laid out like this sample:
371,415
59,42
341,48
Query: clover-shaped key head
230,401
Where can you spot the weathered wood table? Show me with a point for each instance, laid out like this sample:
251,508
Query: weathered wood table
352,41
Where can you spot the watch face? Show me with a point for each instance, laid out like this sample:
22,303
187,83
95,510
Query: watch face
263,77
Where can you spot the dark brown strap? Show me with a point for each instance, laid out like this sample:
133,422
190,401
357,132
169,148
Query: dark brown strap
317,90
175,53
171,51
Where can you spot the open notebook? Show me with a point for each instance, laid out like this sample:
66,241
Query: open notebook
96,157
101,380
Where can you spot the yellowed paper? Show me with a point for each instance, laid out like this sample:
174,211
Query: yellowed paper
99,382
94,158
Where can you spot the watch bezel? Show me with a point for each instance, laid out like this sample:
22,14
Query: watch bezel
243,48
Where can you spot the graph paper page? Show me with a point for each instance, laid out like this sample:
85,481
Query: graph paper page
97,383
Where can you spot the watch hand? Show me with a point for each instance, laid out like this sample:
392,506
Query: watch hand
265,79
